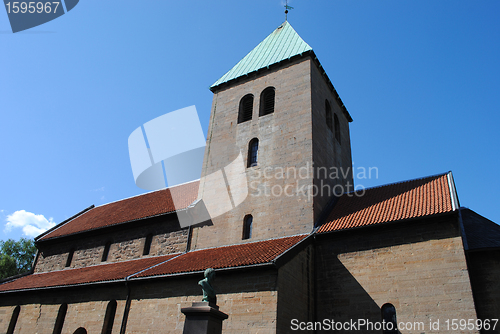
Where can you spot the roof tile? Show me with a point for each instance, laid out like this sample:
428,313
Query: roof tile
98,273
142,206
405,200
225,257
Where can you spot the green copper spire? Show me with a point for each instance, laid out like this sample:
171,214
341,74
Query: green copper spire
283,43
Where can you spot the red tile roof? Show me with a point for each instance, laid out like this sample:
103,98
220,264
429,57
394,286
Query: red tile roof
99,273
410,199
142,206
225,257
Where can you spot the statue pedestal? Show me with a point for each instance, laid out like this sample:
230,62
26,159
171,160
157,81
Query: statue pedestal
203,318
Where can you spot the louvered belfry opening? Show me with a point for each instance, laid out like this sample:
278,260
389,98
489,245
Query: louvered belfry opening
267,101
246,108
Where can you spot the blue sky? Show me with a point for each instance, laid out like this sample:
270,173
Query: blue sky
420,79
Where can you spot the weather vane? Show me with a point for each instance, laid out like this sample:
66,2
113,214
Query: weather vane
286,10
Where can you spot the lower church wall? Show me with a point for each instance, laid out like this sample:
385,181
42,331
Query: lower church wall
249,297
419,267
295,291
484,268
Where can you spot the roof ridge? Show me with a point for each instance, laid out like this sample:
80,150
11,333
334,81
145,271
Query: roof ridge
398,182
149,192
250,242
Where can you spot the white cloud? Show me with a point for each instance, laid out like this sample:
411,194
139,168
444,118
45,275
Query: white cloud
31,224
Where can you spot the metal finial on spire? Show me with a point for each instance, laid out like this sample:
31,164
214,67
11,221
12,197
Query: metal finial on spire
286,10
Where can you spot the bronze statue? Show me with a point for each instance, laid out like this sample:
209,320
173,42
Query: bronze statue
208,290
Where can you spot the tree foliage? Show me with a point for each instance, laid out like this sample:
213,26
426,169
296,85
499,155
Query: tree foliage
16,257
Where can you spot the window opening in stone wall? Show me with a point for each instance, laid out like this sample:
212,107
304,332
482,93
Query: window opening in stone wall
328,110
267,101
80,330
247,227
105,253
60,319
389,316
13,320
253,152
109,318
246,108
337,128
70,257
147,244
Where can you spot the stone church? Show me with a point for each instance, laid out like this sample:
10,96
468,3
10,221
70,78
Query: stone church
304,252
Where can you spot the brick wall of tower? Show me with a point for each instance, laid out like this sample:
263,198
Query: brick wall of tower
332,159
419,267
285,148
126,244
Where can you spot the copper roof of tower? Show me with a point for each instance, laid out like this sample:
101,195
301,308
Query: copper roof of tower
283,43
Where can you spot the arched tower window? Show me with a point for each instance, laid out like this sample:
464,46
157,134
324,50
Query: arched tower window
267,101
253,152
147,244
105,252
70,257
337,127
80,330
60,319
389,316
109,318
13,320
247,227
328,111
246,108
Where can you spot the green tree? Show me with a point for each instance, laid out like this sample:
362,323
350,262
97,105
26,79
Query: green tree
16,257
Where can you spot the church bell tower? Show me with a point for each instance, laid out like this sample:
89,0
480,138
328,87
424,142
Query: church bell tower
279,137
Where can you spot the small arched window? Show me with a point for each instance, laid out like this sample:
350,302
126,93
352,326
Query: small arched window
247,227
253,152
337,128
328,113
70,257
80,330
267,101
105,252
246,108
109,318
389,317
147,244
13,320
60,319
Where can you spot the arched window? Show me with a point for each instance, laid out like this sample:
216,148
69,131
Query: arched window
247,227
70,257
389,316
147,244
337,128
105,252
80,330
328,111
60,319
246,108
13,320
109,318
253,152
267,101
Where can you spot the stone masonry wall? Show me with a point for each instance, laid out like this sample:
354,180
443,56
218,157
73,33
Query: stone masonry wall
418,267
285,147
249,297
126,244
484,269
296,291
330,157
86,308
